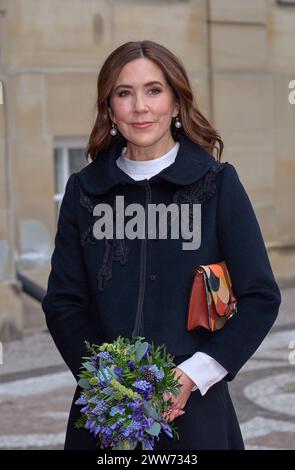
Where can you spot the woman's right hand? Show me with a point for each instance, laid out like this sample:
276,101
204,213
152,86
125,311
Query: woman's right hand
174,413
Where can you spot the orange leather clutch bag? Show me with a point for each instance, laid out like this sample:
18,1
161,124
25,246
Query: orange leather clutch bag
212,301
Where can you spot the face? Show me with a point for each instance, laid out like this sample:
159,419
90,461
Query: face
141,94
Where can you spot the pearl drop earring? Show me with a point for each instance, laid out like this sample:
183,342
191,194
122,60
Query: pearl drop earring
177,123
113,130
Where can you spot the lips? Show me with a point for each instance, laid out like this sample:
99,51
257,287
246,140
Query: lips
142,125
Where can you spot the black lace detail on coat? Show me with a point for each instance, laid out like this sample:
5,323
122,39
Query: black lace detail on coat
115,249
199,192
89,204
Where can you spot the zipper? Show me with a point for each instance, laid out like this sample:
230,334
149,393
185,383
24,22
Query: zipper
138,326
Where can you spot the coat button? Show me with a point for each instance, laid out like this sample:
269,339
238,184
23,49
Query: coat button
152,277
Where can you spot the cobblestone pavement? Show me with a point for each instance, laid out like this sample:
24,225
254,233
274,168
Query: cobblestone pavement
36,390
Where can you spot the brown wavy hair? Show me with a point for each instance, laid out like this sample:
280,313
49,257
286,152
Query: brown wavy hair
194,125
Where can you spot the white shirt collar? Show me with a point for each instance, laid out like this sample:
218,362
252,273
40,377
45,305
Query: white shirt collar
146,169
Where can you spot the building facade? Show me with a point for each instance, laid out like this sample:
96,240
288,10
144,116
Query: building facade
240,60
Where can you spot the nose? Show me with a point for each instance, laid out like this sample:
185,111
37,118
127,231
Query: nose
139,103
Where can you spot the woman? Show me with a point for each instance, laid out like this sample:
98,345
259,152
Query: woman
151,145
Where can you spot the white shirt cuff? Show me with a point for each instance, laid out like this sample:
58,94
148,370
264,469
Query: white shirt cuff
203,370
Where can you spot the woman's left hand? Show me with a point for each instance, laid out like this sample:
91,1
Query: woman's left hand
179,401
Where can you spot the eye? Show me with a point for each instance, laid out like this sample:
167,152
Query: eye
156,90
124,91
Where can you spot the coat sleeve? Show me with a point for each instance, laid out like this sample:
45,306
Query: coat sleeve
67,301
258,295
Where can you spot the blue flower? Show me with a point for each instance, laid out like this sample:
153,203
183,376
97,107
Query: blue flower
159,374
167,429
119,371
136,404
100,408
83,400
105,355
117,410
94,399
131,365
84,409
95,361
89,424
107,373
148,352
149,422
127,432
144,387
97,428
143,369
148,444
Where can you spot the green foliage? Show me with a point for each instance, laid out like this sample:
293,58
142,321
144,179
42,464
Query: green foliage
80,423
84,383
140,350
89,366
154,429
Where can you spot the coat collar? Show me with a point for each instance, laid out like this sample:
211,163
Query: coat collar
190,164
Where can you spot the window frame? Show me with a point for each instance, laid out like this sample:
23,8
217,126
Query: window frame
64,145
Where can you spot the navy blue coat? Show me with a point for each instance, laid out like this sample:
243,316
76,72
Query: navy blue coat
100,289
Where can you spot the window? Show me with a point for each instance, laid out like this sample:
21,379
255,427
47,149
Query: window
69,157
286,2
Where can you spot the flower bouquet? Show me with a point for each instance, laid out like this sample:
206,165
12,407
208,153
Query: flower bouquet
123,384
